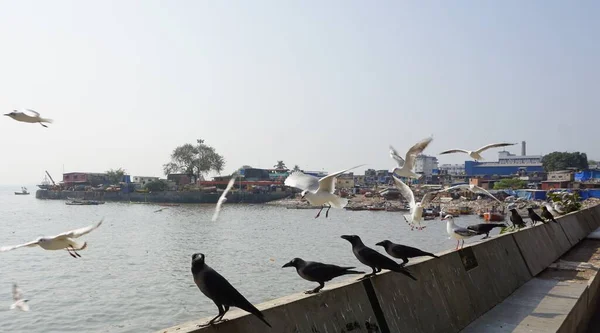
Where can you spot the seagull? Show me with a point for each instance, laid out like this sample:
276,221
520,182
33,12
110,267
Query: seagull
66,241
317,191
223,197
24,117
473,188
456,232
476,155
416,208
405,165
17,296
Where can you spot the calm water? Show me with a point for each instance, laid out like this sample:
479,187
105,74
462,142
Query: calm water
135,274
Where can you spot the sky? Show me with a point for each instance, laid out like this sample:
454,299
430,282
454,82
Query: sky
326,85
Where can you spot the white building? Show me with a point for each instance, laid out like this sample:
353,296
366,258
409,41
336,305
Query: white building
504,157
143,180
453,169
425,164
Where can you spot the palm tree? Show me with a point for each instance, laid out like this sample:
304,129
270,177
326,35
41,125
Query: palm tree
296,168
280,166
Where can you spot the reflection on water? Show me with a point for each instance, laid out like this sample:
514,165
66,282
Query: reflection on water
135,274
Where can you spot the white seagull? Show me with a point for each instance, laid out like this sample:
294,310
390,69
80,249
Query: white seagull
416,208
66,241
318,192
26,118
473,188
406,164
223,197
17,296
476,154
456,232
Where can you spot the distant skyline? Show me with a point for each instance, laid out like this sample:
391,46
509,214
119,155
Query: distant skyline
325,85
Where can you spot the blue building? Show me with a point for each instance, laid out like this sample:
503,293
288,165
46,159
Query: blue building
508,164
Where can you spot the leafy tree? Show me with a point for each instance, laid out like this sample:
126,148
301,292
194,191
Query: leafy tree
510,183
156,186
194,160
296,168
562,160
280,165
115,176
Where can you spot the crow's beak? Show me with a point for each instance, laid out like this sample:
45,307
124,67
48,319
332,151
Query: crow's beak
289,264
380,244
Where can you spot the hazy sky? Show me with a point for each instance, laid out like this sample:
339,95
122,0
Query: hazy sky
323,84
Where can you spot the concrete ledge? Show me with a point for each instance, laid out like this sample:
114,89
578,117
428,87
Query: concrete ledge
575,227
541,245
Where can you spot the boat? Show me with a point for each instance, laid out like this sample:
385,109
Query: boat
84,202
23,191
355,208
493,217
396,209
465,210
428,217
453,211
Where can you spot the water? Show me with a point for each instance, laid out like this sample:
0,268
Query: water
135,274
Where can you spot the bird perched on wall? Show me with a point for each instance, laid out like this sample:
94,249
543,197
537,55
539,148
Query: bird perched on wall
403,252
485,228
406,165
457,232
29,116
318,192
476,154
64,241
214,286
516,219
17,296
534,216
318,272
547,214
374,259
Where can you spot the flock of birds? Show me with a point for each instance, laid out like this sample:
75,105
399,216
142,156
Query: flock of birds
318,192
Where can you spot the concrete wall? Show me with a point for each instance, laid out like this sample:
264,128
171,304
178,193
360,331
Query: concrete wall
450,293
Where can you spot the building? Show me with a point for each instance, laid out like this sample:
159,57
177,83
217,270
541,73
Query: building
552,185
254,174
84,178
345,181
561,176
179,178
142,180
425,165
360,180
452,169
507,165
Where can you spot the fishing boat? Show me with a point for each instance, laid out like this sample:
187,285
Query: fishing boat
23,191
453,211
465,210
84,203
493,217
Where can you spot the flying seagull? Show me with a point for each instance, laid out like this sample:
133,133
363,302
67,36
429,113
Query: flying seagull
214,286
223,197
457,232
473,188
17,296
26,118
318,272
319,192
406,164
416,208
66,241
476,154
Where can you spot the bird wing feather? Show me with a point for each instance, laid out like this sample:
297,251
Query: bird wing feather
454,151
302,181
9,248
477,189
37,114
456,187
428,197
465,232
494,145
406,192
79,232
223,197
411,154
327,183
394,154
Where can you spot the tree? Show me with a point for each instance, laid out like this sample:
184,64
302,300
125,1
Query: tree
156,186
510,183
280,166
296,168
194,160
115,176
562,160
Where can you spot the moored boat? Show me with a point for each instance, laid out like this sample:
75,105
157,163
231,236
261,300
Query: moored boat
23,191
493,217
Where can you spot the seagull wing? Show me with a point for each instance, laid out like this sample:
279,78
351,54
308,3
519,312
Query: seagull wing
406,192
222,198
414,151
428,197
23,306
79,232
9,248
477,189
302,181
37,114
454,151
394,154
327,183
494,145
456,187
465,232
16,293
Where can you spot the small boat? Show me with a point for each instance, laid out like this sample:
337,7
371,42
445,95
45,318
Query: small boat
453,211
355,208
395,209
84,202
428,217
23,191
465,210
493,217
